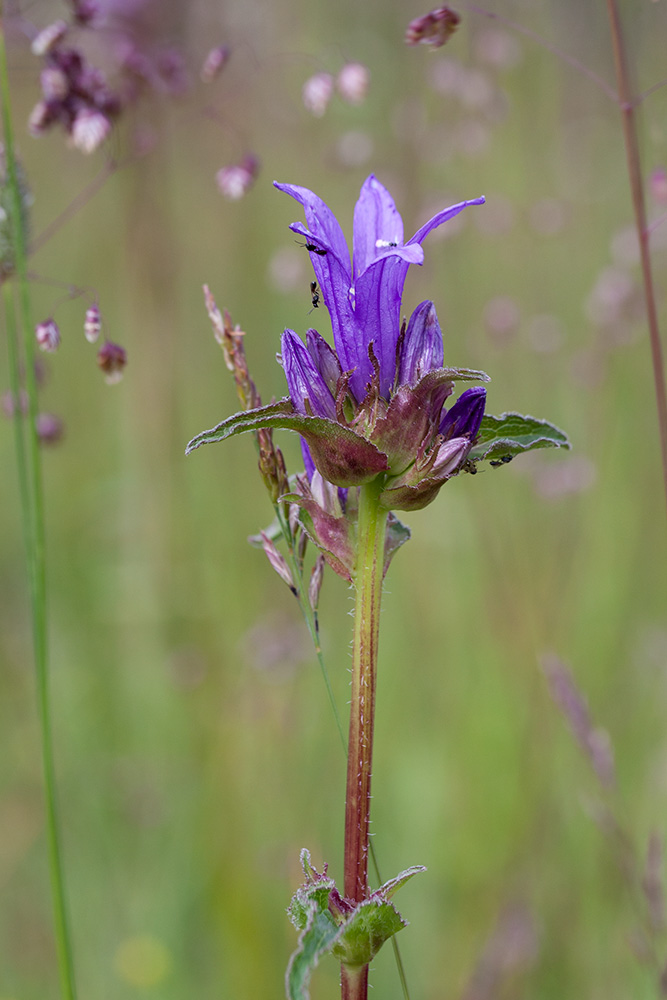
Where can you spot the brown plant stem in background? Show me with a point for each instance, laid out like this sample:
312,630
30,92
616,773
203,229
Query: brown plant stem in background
627,108
368,584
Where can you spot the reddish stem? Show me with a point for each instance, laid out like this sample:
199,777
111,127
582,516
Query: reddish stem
627,106
368,583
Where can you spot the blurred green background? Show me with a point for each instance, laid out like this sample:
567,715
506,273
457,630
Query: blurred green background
196,751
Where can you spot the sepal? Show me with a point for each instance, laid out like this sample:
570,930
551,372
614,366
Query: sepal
413,413
332,535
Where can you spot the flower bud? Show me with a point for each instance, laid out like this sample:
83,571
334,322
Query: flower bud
112,359
463,419
353,82
316,93
214,63
449,457
92,325
48,38
47,335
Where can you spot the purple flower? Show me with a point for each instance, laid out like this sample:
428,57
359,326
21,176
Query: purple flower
374,404
364,299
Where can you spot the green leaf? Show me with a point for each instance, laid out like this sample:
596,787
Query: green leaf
372,923
328,924
387,890
343,457
317,938
501,438
302,901
241,423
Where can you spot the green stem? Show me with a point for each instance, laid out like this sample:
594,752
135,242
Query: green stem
627,106
368,583
30,481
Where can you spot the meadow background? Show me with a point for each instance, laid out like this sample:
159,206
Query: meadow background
196,751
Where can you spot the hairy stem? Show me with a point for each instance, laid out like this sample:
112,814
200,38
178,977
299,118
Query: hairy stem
627,106
368,584
354,983
312,630
32,512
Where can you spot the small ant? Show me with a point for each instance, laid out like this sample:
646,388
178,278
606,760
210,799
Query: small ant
503,460
314,295
312,248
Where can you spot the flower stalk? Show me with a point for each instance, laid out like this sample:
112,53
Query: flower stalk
368,584
32,512
627,105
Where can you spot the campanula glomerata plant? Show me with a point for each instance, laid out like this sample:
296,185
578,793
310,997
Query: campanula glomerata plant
378,435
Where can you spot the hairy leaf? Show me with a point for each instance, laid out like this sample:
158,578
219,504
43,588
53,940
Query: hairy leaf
501,438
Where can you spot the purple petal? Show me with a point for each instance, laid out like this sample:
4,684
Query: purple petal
304,380
422,348
324,358
320,219
334,282
465,416
444,216
376,221
308,463
377,311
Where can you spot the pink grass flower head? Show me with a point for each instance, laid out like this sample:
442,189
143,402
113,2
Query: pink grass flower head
112,359
50,428
92,324
49,37
236,180
658,185
89,130
433,29
316,93
47,336
353,82
214,63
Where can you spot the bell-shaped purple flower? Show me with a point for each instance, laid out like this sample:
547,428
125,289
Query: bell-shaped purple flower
364,299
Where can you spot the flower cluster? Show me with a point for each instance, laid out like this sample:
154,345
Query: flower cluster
75,95
385,382
371,409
